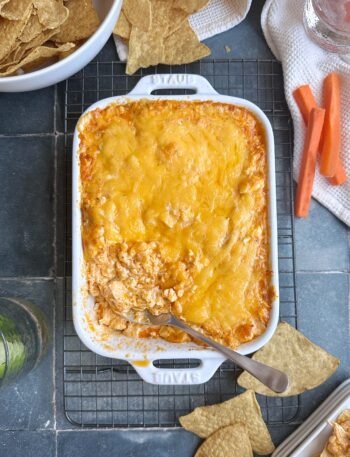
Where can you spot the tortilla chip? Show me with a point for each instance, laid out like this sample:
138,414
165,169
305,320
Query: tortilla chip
32,29
138,13
183,46
244,408
49,52
10,31
230,441
122,28
165,18
190,6
42,38
51,13
145,49
305,363
15,10
82,21
170,39
37,57
62,55
15,56
24,48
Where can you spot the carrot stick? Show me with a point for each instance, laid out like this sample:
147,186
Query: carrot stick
330,147
340,176
305,100
308,162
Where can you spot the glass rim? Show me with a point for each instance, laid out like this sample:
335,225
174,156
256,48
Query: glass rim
7,356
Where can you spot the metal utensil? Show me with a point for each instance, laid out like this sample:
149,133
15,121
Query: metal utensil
270,377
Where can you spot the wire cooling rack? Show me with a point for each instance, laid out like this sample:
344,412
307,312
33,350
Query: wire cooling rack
101,392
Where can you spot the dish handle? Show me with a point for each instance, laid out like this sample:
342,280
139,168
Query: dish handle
181,376
150,83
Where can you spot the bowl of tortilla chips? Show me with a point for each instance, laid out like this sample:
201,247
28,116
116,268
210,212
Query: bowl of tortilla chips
43,42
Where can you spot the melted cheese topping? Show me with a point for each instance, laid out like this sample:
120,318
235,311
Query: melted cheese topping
174,206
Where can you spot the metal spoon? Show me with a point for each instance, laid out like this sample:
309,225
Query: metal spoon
270,377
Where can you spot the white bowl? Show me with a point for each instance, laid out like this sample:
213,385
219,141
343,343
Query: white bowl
108,11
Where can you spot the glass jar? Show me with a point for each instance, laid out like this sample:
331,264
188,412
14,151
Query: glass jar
327,22
23,338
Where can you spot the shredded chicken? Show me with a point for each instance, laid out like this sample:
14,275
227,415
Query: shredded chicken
338,444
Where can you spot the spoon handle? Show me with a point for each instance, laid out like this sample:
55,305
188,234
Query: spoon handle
270,377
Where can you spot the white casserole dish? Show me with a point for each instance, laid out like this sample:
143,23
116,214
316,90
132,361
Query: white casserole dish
311,437
142,352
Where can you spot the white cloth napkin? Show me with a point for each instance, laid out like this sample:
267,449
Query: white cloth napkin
216,17
304,62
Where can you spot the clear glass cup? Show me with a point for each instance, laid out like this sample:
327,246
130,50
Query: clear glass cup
23,338
327,22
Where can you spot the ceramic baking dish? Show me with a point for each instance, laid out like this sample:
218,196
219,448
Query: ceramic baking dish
141,353
311,437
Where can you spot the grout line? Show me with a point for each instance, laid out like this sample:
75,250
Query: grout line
27,278
87,429
56,443
54,361
55,202
25,135
322,272
55,101
120,429
55,187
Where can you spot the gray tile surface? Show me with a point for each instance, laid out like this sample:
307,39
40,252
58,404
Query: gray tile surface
28,404
27,112
126,443
27,444
324,318
321,241
62,180
26,206
245,40
107,53
280,433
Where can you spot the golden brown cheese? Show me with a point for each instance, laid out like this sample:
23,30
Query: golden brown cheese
174,207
